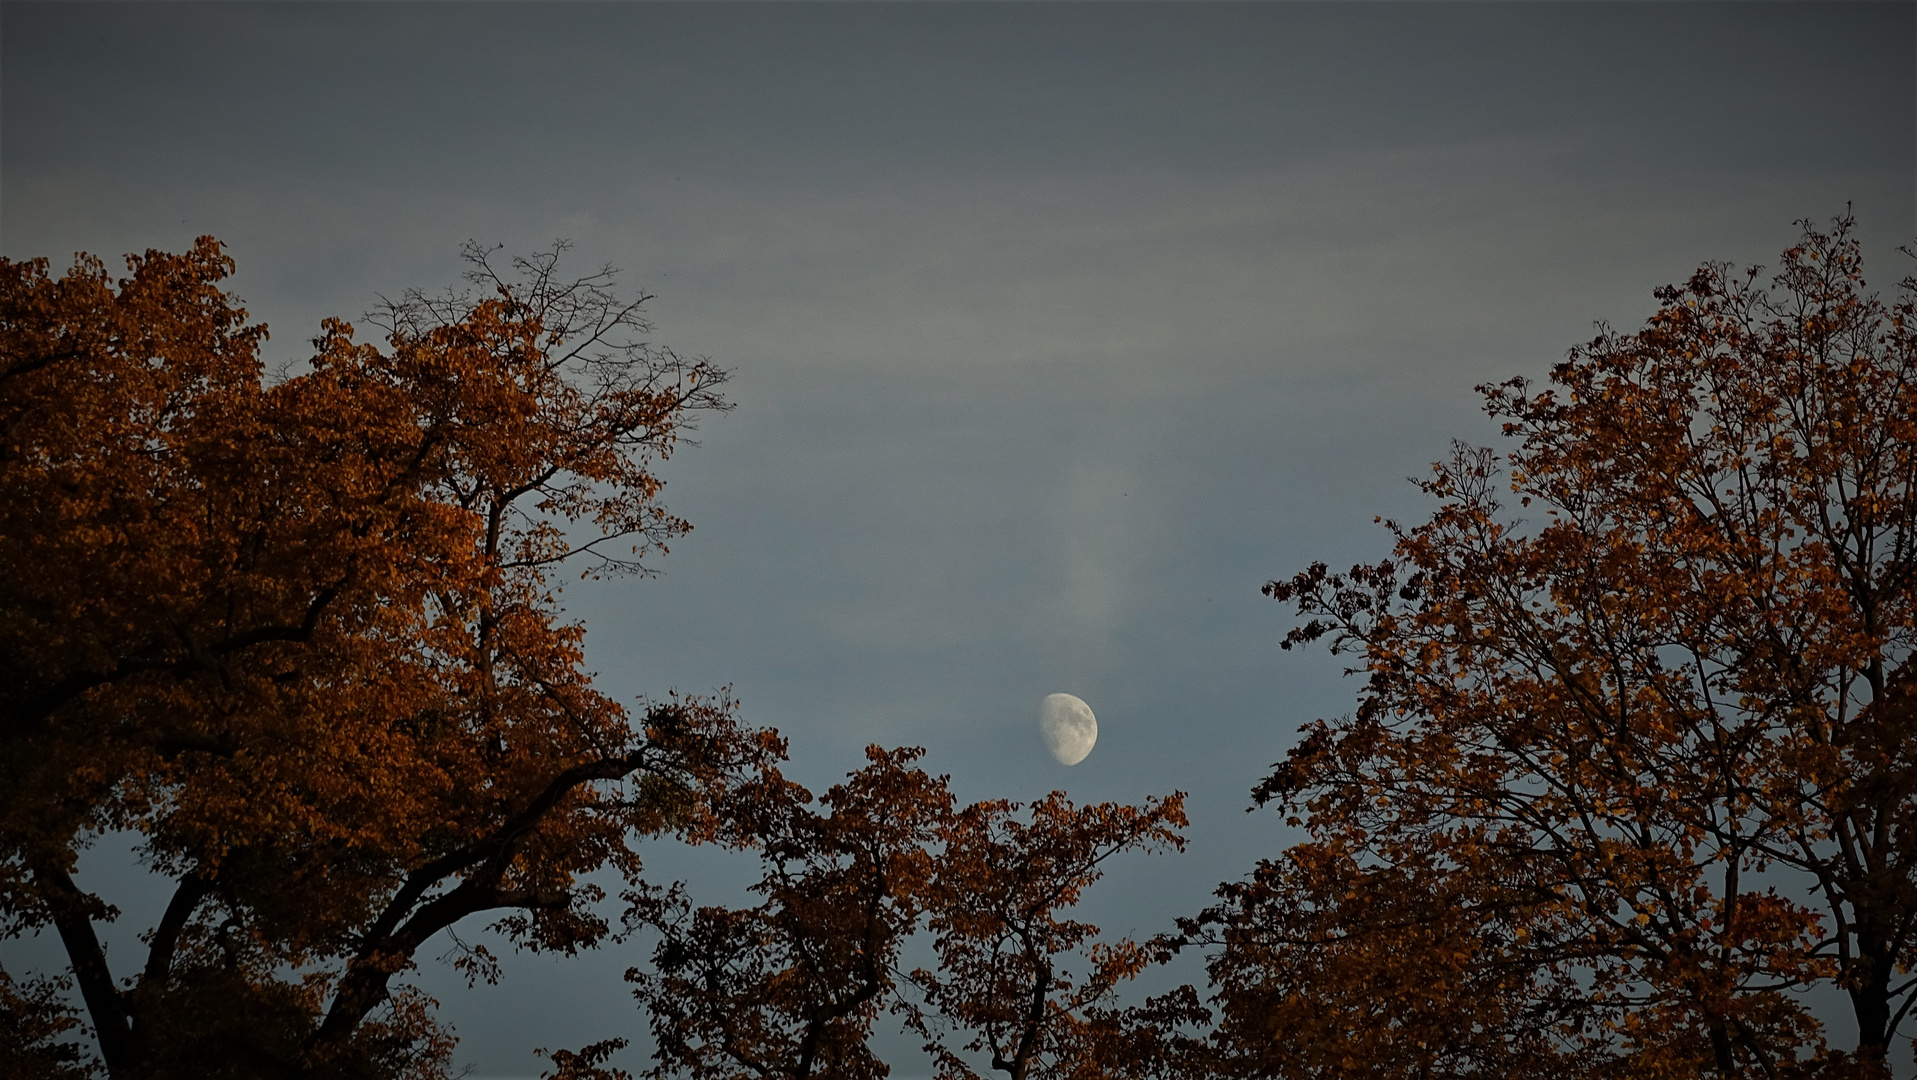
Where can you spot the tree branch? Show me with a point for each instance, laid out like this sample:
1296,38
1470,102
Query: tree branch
105,1005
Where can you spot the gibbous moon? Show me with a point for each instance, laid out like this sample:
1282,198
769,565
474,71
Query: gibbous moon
1068,727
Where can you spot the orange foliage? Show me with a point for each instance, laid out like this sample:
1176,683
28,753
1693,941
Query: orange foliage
1630,772
300,635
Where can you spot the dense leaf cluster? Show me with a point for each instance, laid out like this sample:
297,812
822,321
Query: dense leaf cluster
1647,743
299,636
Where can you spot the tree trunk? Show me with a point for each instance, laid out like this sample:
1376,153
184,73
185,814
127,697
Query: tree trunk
105,1005
1870,1002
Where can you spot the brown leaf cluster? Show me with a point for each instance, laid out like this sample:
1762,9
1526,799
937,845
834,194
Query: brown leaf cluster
301,636
1630,771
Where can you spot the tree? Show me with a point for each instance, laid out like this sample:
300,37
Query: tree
1628,777
301,636
791,988
1001,887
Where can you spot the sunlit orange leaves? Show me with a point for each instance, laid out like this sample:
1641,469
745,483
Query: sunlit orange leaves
300,634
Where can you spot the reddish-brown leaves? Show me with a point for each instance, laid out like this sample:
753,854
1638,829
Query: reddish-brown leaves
1632,770
301,636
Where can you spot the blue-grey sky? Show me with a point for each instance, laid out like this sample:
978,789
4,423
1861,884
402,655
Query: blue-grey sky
1055,329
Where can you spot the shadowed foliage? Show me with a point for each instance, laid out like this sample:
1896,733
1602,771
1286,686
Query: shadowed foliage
791,988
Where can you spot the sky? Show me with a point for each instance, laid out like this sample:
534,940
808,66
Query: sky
1055,330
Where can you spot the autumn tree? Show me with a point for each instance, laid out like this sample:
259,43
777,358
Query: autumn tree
1004,988
1632,767
300,637
792,988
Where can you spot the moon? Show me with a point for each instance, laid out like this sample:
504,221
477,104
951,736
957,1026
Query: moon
1068,728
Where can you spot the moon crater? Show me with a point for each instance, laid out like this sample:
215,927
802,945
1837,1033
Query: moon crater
1068,728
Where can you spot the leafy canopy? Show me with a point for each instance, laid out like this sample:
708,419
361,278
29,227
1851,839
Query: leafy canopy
1632,767
301,636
